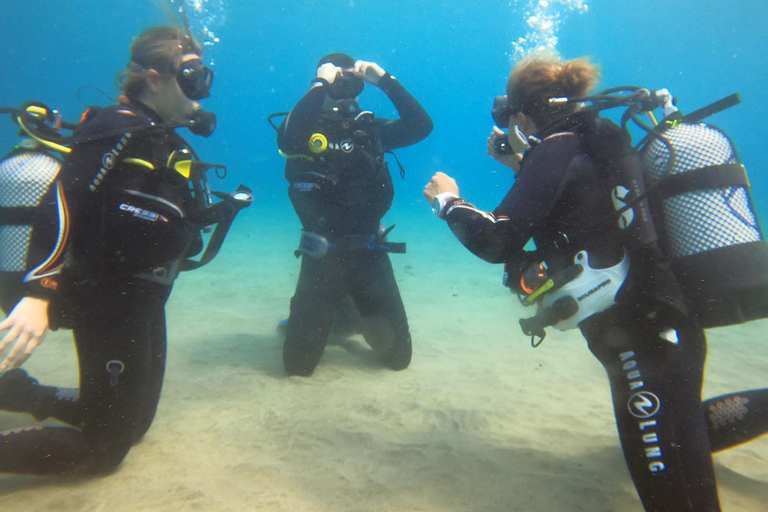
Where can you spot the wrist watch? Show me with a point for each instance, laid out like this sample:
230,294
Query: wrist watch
441,201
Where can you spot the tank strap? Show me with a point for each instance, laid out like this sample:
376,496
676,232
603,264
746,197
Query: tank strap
17,216
704,178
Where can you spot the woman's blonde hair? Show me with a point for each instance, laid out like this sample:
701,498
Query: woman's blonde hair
537,79
159,48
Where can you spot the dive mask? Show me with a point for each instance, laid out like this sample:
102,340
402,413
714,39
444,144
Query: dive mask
502,111
514,142
346,86
195,79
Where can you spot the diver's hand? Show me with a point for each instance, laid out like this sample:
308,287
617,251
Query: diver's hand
369,71
512,160
27,326
328,72
439,184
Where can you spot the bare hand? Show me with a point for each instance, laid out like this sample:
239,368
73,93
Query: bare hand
27,326
512,160
369,71
328,72
439,184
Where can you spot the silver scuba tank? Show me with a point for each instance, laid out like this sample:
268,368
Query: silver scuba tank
708,224
25,175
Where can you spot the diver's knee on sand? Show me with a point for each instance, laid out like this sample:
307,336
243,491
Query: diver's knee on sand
393,350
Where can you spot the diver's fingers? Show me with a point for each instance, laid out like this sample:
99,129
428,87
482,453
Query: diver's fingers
369,71
490,148
495,134
31,347
20,344
6,323
13,333
328,72
430,190
361,66
21,341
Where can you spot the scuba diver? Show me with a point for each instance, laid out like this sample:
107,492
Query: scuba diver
600,264
340,187
122,218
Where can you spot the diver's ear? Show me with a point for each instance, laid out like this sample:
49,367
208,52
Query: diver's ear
527,124
154,81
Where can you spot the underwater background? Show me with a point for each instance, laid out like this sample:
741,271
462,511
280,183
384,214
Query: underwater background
453,55
479,421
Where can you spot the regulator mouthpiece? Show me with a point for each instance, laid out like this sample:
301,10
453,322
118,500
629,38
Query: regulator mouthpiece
202,123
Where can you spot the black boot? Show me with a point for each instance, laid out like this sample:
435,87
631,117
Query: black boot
21,393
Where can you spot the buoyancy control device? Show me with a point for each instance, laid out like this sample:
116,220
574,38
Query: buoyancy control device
30,169
689,201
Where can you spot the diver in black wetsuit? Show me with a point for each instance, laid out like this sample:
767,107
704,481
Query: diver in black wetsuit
123,203
652,350
341,188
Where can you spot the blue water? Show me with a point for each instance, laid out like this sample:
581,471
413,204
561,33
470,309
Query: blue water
452,55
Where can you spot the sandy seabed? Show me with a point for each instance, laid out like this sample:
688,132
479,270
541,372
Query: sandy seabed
479,422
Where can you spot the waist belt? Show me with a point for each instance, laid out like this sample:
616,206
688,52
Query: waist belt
317,246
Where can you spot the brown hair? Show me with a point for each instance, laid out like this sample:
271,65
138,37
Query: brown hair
537,79
159,48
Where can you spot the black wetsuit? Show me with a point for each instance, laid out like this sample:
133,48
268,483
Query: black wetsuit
112,296
341,192
11,290
667,434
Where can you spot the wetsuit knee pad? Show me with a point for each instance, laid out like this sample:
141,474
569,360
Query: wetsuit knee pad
107,458
399,356
297,364
301,359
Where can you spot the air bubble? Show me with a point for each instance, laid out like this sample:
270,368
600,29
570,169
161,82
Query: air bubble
543,19
203,16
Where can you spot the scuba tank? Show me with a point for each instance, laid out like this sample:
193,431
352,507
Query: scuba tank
26,173
708,224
